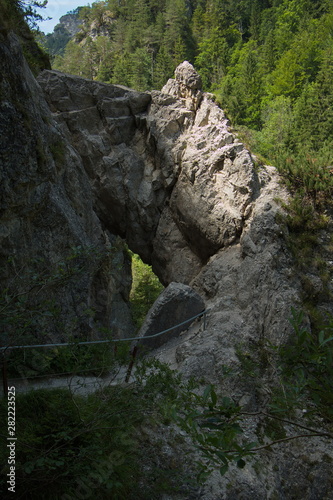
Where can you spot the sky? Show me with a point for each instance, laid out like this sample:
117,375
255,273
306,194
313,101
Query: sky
56,9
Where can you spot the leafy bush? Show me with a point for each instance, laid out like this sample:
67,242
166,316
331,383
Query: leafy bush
307,175
305,382
66,442
307,366
215,428
146,288
72,447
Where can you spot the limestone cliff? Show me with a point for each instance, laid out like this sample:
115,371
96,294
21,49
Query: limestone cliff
48,218
70,22
84,163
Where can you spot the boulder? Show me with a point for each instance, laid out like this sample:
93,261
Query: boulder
176,304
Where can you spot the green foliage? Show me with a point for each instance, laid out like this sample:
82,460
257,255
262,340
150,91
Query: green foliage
94,360
215,428
146,40
68,444
307,175
17,12
304,369
281,88
305,382
304,226
213,59
20,17
276,134
241,90
307,365
54,43
28,8
146,288
65,442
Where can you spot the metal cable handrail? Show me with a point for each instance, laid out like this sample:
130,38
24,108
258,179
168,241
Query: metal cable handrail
202,313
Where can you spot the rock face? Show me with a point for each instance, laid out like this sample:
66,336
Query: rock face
178,303
69,22
50,233
85,163
100,121
68,26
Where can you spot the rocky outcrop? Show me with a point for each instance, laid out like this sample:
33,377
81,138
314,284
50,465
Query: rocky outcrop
177,304
70,23
101,123
166,175
186,85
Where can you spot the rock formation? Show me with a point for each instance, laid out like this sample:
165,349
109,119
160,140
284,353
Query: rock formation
178,304
48,218
84,163
165,177
69,23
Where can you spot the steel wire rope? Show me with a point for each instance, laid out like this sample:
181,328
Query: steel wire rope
202,313
50,375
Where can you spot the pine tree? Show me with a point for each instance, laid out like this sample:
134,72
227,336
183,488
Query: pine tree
213,60
163,69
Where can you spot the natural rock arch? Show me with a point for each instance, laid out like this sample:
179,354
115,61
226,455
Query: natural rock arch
166,173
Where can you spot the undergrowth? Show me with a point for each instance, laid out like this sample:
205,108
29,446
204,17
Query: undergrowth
69,445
